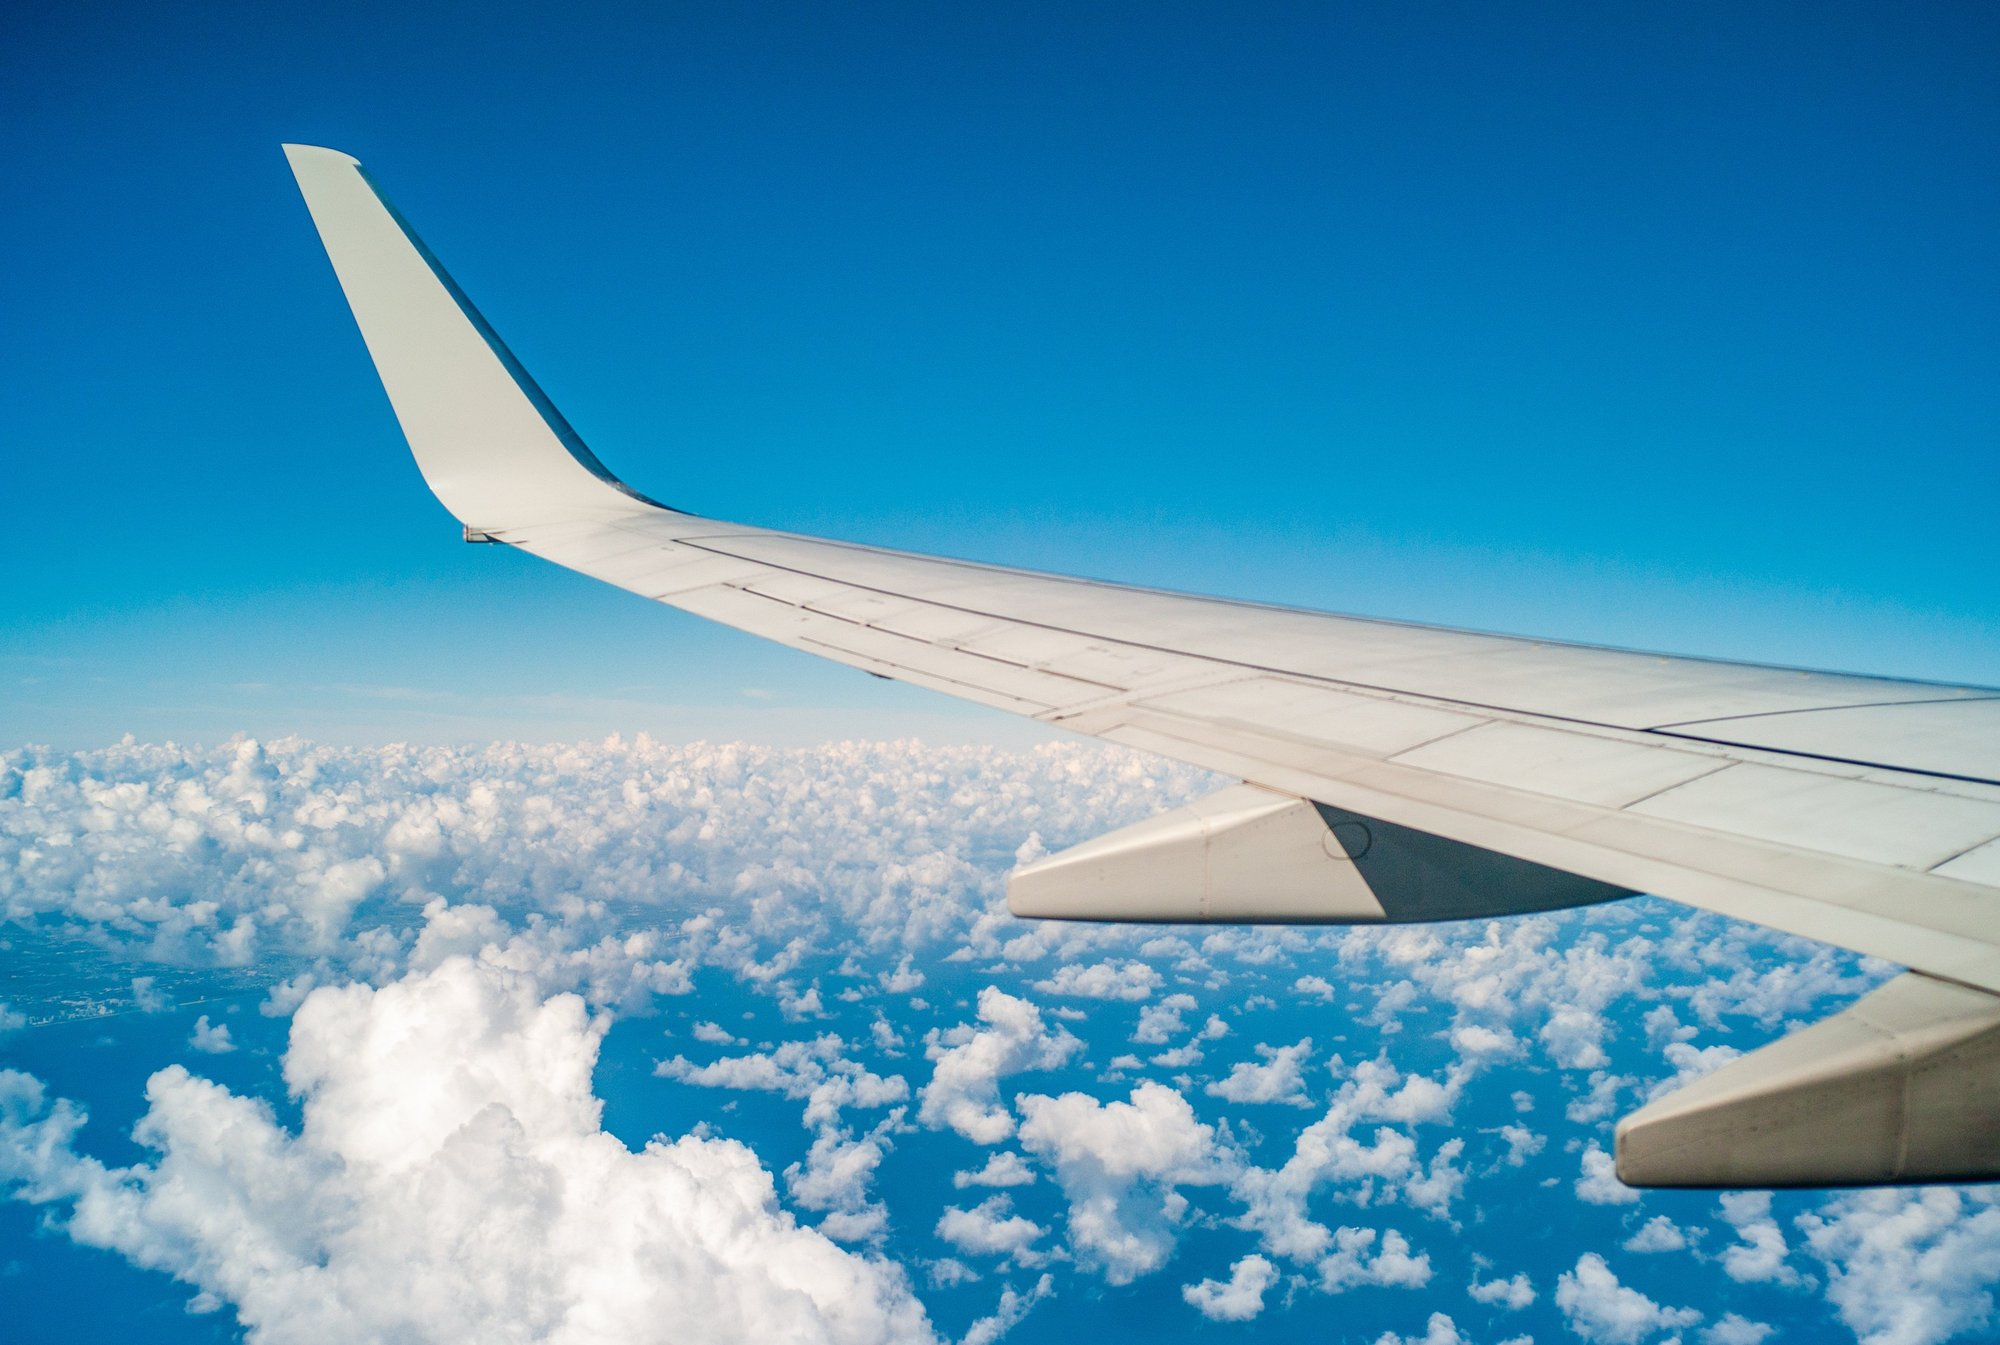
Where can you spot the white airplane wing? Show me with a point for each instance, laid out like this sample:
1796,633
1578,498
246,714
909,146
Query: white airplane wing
1392,772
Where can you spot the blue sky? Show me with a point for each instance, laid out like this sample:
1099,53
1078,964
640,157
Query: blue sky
1672,327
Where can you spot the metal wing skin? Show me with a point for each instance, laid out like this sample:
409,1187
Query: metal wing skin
1392,771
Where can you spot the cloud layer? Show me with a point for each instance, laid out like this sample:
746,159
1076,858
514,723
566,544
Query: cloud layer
885,1108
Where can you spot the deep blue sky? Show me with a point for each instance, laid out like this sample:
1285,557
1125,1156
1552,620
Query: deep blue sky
1675,326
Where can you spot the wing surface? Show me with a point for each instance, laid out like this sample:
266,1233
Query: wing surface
1861,811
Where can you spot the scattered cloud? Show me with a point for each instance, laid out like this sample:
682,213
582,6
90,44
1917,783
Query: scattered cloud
1515,1292
1236,1299
848,901
1909,1267
1120,1165
968,1063
1102,980
1599,1184
1601,1310
1279,1078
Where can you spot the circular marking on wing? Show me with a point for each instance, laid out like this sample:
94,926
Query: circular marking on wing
1347,840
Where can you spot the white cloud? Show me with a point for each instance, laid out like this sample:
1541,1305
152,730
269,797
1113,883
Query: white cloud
1601,1310
1280,1079
1005,1168
1439,1330
450,1180
1734,1329
1162,1021
1601,1099
1441,1183
715,1035
1691,1062
1522,1144
148,997
816,1071
1909,1267
1275,1200
835,1178
1102,980
1514,1293
1659,1234
211,1038
1315,987
1008,1313
1514,971
1478,1042
969,1062
1599,1184
991,1228
1758,1256
220,855
1119,1165
904,980
1351,1264
1237,1299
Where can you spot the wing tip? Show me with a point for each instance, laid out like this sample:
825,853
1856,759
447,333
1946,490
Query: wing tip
303,154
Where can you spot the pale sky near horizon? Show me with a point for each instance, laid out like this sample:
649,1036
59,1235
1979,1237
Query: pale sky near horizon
1670,328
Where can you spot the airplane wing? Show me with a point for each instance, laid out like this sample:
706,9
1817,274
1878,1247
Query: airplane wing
1392,771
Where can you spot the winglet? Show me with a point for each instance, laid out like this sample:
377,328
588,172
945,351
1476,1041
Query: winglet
492,447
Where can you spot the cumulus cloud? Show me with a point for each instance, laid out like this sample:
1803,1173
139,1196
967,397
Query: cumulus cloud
1357,1261
1734,1329
1440,1183
1909,1267
991,1228
1102,980
1758,1256
1005,1168
1601,1310
1439,1330
835,1178
817,1071
968,1063
1012,1308
1513,971
1236,1299
220,856
1522,1144
1658,1234
904,980
1514,1293
1160,1022
1280,1078
1276,1200
450,1180
1315,987
1120,1165
1599,1184
211,1038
